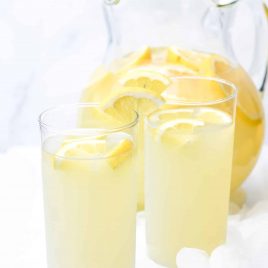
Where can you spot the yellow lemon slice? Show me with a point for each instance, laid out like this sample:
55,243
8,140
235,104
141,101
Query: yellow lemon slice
113,148
177,70
128,99
180,125
120,153
167,70
147,79
167,113
82,147
222,65
158,55
213,116
194,90
73,149
178,131
201,63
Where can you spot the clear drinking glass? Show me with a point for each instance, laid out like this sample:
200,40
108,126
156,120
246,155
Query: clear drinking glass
89,187
188,166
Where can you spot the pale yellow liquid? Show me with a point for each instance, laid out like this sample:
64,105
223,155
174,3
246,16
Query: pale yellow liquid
90,211
187,190
249,118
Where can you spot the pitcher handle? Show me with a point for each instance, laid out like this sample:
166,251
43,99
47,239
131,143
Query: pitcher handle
258,64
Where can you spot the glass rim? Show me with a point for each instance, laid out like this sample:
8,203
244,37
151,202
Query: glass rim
104,130
231,96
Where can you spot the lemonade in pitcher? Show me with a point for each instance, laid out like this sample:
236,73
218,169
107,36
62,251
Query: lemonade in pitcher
139,79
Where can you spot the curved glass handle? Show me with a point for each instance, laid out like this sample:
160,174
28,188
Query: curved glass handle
266,9
258,66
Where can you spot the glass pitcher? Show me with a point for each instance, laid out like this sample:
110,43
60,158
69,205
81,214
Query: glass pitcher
205,25
152,40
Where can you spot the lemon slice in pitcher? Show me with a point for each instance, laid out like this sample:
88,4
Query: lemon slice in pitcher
146,79
201,63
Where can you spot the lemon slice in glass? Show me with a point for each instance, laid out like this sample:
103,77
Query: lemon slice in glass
119,146
171,114
213,116
77,148
112,148
178,131
179,126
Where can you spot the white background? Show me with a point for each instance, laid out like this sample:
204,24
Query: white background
47,51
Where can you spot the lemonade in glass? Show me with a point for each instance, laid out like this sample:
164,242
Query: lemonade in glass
188,166
89,188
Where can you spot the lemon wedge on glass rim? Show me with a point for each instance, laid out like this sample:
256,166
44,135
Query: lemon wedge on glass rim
125,100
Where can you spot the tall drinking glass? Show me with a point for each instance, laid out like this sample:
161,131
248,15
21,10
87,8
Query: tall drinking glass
89,188
188,164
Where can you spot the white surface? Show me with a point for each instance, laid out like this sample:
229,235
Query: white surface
22,243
